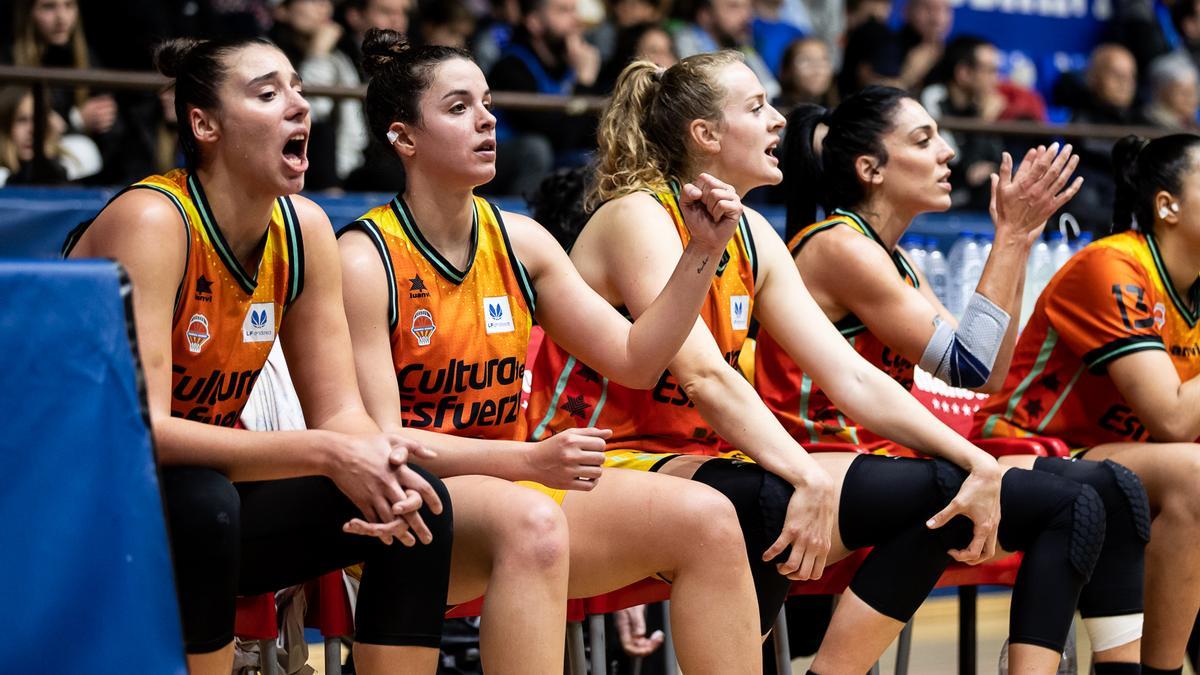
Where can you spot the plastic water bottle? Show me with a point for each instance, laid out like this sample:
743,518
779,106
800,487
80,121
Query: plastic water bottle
1037,274
1060,250
937,271
1067,665
985,245
917,249
965,275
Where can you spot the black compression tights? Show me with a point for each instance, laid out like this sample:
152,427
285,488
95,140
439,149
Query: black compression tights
885,503
248,538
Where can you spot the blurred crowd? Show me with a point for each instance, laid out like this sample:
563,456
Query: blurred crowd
804,51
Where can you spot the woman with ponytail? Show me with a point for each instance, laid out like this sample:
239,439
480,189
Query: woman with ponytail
709,115
1109,363
224,257
873,164
441,291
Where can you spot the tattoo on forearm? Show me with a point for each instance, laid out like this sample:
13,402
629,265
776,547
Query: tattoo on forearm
703,264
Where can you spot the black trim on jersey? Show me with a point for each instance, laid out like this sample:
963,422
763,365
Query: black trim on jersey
368,227
811,233
906,270
247,281
519,270
849,326
1176,299
295,243
77,233
1099,357
751,249
435,258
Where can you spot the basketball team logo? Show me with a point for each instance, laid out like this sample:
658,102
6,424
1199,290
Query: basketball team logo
497,315
739,312
423,327
197,333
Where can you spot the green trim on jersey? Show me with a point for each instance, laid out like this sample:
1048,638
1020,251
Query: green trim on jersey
559,387
224,251
519,270
443,266
1061,397
368,227
1176,298
295,244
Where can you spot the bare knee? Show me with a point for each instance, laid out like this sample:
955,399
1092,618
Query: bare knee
713,519
534,533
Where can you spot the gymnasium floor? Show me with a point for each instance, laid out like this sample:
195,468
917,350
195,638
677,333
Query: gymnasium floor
935,640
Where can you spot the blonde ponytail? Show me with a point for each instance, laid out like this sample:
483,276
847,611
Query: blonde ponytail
642,134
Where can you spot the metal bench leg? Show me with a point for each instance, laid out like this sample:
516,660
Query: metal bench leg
967,597
671,665
576,658
904,648
268,656
596,642
783,651
333,656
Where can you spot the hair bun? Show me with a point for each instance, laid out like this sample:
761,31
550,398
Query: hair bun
380,49
170,55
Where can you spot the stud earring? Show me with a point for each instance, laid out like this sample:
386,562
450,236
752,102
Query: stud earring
392,137
1162,212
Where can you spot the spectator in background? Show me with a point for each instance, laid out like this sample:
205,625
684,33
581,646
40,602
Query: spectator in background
49,33
547,55
725,24
1174,97
494,32
448,23
923,38
807,74
773,32
964,84
1104,97
622,15
307,34
16,141
872,54
1185,17
359,16
647,41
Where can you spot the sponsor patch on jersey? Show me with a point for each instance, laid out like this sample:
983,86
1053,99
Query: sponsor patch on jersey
497,315
259,324
739,312
423,327
197,333
1160,315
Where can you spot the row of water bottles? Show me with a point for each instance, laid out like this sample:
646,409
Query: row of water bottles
954,275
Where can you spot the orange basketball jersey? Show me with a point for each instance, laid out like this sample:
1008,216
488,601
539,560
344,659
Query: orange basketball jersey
459,337
226,317
1113,298
799,403
566,393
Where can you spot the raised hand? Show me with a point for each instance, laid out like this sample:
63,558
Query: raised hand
711,210
569,460
1022,202
807,528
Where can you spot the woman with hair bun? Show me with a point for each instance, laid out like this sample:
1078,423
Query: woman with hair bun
1109,363
224,257
441,291
704,421
874,163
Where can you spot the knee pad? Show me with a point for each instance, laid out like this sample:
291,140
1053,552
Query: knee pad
1134,492
957,533
1087,530
760,499
1117,486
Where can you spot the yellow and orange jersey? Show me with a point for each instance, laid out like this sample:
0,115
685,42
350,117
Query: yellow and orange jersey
798,402
459,337
226,317
1112,299
567,393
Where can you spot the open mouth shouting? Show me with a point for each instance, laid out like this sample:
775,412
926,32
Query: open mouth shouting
295,151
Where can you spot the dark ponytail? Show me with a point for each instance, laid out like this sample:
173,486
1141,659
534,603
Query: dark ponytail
1142,168
397,74
802,167
197,69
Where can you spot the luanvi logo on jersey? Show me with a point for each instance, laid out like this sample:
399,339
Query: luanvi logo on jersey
259,324
739,312
417,288
203,289
423,327
197,333
497,315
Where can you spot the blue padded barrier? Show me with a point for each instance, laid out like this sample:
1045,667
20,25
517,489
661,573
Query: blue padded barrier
87,582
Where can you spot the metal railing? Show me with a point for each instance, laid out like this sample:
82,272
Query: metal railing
112,80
